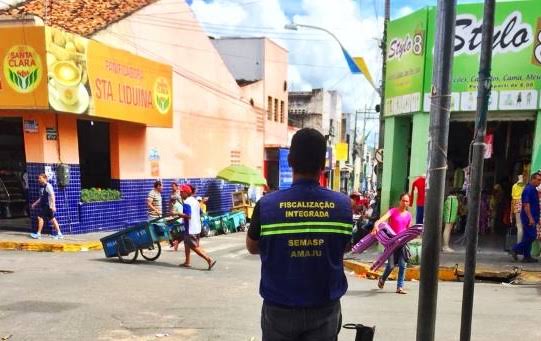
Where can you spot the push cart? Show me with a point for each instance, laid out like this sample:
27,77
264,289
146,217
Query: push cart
143,238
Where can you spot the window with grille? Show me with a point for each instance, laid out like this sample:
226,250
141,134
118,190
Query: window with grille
282,114
276,109
269,108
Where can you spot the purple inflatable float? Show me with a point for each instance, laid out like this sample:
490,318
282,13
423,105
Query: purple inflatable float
390,241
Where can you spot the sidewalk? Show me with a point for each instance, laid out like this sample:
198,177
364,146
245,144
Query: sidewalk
493,264
10,240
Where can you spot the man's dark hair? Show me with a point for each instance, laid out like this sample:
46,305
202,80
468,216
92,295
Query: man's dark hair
307,152
157,183
534,175
193,188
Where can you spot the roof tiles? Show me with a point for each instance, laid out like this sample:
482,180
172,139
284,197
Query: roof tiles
83,17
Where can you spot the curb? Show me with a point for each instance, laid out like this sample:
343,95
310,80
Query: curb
448,274
50,247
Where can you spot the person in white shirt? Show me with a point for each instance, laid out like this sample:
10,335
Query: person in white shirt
192,223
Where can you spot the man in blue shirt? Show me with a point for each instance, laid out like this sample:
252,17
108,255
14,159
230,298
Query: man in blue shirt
301,234
530,218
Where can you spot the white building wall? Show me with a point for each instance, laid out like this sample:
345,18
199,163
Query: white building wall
243,57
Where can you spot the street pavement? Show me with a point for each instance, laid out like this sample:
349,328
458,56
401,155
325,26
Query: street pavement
83,296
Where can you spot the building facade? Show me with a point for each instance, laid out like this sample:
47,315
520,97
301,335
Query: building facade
514,119
261,72
112,137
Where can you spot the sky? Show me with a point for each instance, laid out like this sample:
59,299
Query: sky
315,59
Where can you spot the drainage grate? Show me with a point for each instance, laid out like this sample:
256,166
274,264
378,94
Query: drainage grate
5,272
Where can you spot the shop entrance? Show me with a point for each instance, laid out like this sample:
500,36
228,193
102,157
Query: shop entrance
94,154
510,153
13,176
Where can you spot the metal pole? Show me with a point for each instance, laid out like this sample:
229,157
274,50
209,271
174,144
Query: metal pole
362,175
387,18
476,168
354,150
437,167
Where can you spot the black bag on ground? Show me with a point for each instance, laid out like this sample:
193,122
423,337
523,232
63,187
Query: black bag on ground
364,333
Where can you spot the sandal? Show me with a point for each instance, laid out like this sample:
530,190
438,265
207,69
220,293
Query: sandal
211,264
401,291
381,283
184,265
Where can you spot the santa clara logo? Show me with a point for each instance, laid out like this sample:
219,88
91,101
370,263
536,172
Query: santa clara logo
161,96
22,68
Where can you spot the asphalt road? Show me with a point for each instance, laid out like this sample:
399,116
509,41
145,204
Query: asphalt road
83,296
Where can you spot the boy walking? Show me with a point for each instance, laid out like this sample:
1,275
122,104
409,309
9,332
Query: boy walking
47,207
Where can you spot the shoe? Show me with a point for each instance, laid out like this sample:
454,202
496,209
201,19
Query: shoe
401,291
35,235
514,254
211,264
530,260
58,236
381,283
447,250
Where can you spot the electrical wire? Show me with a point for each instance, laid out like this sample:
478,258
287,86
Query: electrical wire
226,54
222,31
217,89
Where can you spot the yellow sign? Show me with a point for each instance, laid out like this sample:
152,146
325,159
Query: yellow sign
128,87
68,77
87,77
341,151
22,52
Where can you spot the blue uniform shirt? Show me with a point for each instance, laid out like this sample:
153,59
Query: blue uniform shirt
530,196
303,232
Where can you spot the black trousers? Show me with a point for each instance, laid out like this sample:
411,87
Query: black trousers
301,324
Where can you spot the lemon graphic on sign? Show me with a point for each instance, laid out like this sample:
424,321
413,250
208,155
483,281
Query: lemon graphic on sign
22,68
161,95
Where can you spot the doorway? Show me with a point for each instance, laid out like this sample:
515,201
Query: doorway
510,153
94,154
14,208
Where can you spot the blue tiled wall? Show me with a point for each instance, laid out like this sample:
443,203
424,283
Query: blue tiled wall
67,199
75,217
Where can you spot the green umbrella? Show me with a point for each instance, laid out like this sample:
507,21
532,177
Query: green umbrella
241,174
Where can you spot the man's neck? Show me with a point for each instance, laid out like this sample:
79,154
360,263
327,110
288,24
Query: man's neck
306,177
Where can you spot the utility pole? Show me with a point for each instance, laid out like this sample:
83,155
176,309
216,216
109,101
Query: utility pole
354,151
367,115
476,167
437,167
383,45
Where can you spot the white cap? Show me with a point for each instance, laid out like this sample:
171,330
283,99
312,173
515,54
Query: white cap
199,198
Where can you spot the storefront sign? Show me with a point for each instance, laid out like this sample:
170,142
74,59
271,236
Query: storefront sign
285,176
22,59
51,134
30,126
87,77
128,87
516,62
406,48
154,158
341,151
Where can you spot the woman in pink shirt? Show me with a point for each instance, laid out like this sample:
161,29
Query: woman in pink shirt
399,219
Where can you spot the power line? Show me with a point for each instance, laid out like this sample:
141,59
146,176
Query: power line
232,30
217,89
227,54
